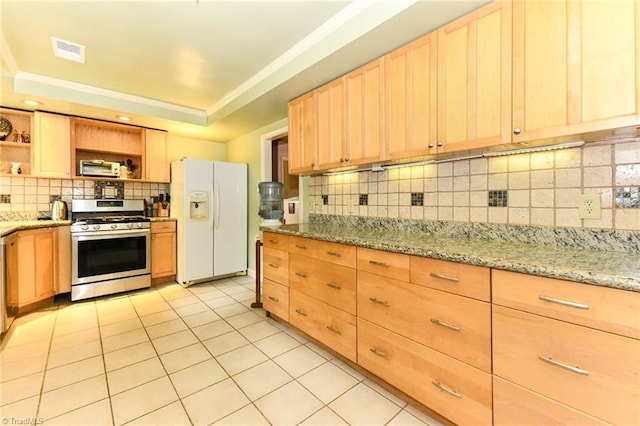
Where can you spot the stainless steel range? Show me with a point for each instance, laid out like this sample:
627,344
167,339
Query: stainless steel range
110,247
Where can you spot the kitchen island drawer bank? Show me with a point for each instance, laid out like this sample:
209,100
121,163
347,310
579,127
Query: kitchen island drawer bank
435,320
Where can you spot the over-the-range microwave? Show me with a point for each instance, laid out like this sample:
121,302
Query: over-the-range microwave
99,168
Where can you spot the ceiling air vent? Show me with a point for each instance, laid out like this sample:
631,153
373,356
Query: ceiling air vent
68,50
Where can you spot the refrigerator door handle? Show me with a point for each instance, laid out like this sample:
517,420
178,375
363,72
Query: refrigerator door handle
217,222
211,219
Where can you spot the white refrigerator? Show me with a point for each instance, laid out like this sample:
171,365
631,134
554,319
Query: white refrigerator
209,201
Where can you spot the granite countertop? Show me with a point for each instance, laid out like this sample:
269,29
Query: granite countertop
604,268
8,227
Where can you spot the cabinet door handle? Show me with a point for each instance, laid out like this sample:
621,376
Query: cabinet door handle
301,274
334,253
334,286
274,241
379,353
444,277
446,389
376,263
517,131
552,361
334,330
564,302
444,324
273,265
301,247
275,299
379,302
431,145
440,143
301,312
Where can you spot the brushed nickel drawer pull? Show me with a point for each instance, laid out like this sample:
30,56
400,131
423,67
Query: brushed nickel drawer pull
273,265
552,361
301,312
334,330
335,286
375,262
446,389
564,302
301,247
274,241
444,277
380,354
444,324
301,274
379,302
275,299
334,253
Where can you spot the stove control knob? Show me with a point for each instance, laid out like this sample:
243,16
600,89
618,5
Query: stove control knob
140,224
130,225
85,227
96,227
114,226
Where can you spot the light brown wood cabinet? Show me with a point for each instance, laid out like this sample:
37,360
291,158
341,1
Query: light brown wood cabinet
331,125
32,269
275,271
163,249
52,145
303,150
12,151
156,159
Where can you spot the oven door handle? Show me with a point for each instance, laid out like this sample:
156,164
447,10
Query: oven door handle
82,236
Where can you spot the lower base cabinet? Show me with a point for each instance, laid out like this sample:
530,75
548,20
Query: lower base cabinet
276,299
163,249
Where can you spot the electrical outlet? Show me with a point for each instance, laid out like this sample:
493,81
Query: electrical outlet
350,205
589,206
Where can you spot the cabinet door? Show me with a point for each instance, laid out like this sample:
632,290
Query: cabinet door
52,145
156,161
37,269
474,80
330,120
302,134
575,67
411,98
365,110
163,254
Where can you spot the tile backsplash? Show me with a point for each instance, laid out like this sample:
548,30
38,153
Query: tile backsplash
538,189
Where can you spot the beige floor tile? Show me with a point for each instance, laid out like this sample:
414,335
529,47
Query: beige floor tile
277,344
134,375
288,405
293,333
201,318
320,351
420,415
75,326
64,341
117,316
21,409
119,341
166,328
405,419
170,415
225,343
120,327
215,402
173,291
348,369
298,361
327,382
21,361
159,317
261,379
186,300
96,414
150,308
363,405
26,334
212,329
258,331
197,377
69,398
20,352
241,296
142,400
55,378
230,310
241,359
248,415
174,341
207,294
244,319
21,388
192,309
324,417
129,355
398,401
184,357
220,302
73,354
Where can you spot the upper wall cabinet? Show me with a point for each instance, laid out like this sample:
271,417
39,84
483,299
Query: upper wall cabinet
330,123
156,160
474,80
16,146
411,95
576,67
52,145
365,114
303,150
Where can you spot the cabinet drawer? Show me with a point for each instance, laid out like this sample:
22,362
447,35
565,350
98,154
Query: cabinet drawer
609,309
332,284
465,280
303,246
514,405
394,265
165,226
279,241
276,265
275,299
331,326
455,325
452,388
340,254
599,374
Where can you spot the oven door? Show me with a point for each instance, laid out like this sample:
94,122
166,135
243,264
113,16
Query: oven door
109,255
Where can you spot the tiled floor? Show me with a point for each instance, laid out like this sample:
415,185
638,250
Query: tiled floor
175,356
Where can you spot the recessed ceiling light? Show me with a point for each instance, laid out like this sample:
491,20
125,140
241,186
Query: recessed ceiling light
32,102
123,118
